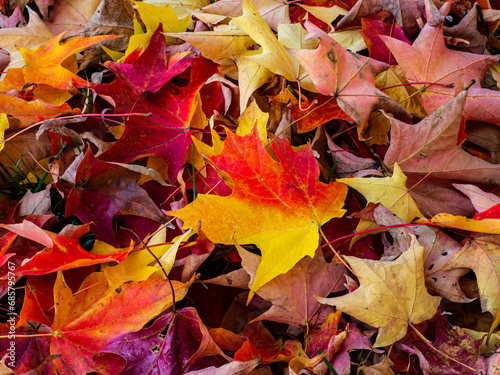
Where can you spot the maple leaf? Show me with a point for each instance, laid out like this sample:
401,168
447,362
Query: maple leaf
273,56
60,253
137,265
431,146
381,368
277,206
71,16
371,31
111,17
86,321
403,93
347,163
481,200
348,77
423,62
31,351
234,367
487,225
292,294
327,109
467,29
102,191
52,67
167,132
153,16
39,300
439,249
170,346
390,191
386,298
354,340
260,343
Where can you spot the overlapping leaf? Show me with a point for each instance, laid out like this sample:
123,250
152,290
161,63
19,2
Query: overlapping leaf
278,206
85,322
348,77
142,90
386,298
419,148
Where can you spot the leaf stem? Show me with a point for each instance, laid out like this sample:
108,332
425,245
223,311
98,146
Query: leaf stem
335,251
79,116
419,83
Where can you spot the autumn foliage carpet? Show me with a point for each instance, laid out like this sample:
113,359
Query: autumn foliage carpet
249,187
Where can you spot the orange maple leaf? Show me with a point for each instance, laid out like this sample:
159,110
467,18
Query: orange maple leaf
51,64
277,206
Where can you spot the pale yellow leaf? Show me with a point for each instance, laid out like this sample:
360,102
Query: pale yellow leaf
391,295
390,191
251,76
274,56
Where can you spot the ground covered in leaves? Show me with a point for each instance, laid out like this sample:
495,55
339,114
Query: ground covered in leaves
249,187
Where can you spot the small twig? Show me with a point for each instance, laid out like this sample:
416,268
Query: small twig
159,263
79,116
335,251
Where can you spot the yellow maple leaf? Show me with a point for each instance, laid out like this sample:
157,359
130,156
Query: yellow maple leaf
152,16
391,295
274,56
180,8
390,191
251,118
277,206
140,265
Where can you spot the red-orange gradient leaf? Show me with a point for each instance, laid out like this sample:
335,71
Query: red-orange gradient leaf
277,206
84,322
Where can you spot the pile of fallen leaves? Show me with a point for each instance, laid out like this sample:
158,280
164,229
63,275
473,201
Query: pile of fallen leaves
249,187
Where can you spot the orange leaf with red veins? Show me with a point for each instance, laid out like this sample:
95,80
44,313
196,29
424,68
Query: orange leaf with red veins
277,206
84,322
428,60
347,76
44,65
48,64
32,111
